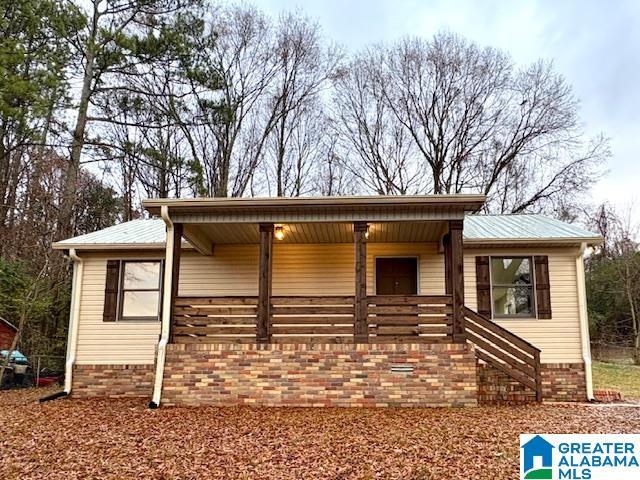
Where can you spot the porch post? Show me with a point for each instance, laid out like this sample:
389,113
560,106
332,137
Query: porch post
178,229
446,242
361,326
456,275
263,334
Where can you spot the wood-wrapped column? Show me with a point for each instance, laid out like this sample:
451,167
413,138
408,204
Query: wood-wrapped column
263,333
361,326
456,277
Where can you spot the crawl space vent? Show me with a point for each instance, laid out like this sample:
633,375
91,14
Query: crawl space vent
401,368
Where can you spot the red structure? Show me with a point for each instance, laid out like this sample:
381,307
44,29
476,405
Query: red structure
7,332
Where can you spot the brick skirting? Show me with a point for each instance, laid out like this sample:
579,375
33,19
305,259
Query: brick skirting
320,375
113,381
561,382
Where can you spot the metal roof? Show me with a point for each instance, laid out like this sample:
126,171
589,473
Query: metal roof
523,228
134,233
499,229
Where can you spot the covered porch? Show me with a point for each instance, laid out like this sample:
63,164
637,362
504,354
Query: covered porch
378,297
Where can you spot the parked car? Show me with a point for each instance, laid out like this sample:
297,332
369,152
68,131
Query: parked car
18,373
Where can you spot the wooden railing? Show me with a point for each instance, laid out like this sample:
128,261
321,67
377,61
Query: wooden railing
326,319
214,320
504,350
313,319
410,318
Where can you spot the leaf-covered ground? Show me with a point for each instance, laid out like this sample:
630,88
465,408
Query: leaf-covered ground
122,439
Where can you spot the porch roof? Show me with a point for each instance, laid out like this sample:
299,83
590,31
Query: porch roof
317,209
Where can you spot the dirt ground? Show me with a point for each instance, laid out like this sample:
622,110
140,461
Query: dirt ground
122,439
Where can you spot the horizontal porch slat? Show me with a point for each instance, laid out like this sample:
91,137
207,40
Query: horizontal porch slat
312,330
223,311
230,330
197,321
410,299
312,310
311,300
312,319
408,309
408,319
392,330
187,301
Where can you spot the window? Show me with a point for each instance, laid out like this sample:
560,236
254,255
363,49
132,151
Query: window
140,290
512,287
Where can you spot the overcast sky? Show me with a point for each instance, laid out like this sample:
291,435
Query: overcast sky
594,44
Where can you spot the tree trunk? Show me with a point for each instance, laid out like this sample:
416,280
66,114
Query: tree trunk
66,225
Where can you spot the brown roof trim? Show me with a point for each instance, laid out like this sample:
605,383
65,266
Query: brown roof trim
462,202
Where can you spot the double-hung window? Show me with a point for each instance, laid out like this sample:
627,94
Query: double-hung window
512,288
139,297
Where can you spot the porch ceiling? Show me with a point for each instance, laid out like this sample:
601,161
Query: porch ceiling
381,232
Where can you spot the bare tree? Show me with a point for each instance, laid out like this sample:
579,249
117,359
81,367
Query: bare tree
380,151
292,110
481,125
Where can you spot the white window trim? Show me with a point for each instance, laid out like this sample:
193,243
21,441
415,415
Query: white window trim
534,305
132,320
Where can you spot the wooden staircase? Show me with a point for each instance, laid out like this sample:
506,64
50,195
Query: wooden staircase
504,350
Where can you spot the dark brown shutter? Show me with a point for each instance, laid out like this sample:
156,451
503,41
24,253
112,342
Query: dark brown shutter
483,286
543,288
111,291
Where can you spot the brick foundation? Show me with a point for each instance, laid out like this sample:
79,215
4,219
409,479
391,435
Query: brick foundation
561,382
113,381
320,375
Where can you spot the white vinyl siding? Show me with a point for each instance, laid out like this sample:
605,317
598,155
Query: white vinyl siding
320,269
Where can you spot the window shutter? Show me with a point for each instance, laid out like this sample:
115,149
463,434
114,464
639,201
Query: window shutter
111,291
543,288
483,286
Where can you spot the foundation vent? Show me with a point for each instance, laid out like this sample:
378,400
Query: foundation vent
401,368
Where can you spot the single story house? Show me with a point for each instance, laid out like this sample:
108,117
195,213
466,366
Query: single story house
334,301
7,333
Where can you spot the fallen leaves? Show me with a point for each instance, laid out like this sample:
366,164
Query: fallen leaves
118,439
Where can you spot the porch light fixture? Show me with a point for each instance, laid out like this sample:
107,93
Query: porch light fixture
279,232
366,233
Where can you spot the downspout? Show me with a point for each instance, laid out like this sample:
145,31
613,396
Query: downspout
584,321
74,315
166,310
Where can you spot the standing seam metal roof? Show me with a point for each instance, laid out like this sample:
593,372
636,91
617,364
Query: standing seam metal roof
476,228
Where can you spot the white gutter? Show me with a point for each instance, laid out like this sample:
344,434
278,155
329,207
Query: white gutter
74,316
166,310
584,320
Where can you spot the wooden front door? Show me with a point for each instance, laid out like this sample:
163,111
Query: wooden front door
396,276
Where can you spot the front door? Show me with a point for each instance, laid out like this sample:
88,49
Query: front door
397,276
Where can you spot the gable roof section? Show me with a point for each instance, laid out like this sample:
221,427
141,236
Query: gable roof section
478,229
